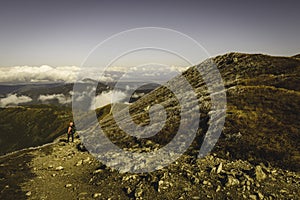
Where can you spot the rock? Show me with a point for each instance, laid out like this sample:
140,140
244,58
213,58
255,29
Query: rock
196,180
218,188
252,196
138,192
260,195
219,169
28,193
53,175
86,160
205,182
59,168
97,171
282,191
259,173
231,181
68,185
81,147
96,195
79,163
128,190
213,170
249,179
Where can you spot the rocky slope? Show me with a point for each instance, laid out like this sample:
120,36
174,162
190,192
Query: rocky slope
256,157
61,171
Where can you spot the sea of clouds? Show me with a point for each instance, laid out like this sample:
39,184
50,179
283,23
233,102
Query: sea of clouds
62,99
44,73
14,100
69,74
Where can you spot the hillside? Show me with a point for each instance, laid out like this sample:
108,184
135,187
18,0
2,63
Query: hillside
262,110
256,157
22,127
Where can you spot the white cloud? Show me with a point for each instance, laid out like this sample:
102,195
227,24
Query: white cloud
107,98
38,74
62,99
13,99
46,73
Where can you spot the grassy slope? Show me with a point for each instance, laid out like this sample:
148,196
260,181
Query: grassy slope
22,127
262,123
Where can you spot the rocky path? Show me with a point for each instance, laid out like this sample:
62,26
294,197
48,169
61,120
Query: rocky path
61,171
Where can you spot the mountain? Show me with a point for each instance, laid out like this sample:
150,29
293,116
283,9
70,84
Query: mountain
262,110
256,156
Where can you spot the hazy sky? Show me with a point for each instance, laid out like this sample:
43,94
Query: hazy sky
62,33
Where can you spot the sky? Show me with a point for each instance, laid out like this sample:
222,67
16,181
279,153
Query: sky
62,33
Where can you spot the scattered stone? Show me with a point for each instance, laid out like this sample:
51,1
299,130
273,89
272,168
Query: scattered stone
68,185
213,170
59,168
259,173
97,171
28,193
96,195
218,188
219,169
86,160
282,191
252,197
260,195
79,163
128,190
232,181
53,175
138,192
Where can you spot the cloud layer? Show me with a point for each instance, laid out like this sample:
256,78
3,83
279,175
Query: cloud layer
62,99
107,98
13,99
44,73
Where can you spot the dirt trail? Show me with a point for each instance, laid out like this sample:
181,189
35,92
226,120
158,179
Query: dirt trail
60,171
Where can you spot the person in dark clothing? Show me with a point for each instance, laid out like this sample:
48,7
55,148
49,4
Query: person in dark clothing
71,131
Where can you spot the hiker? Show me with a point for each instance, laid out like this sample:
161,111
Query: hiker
71,131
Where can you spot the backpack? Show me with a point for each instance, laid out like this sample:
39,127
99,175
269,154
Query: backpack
73,129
